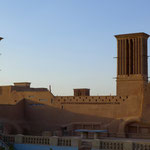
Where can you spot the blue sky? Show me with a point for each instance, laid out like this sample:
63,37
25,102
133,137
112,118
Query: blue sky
66,43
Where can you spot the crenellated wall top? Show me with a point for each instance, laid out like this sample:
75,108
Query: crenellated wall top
90,99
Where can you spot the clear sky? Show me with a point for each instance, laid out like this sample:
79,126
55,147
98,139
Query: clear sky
66,43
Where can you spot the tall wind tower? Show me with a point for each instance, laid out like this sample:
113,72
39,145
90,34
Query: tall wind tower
132,65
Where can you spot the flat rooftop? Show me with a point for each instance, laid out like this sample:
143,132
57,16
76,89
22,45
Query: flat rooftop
140,34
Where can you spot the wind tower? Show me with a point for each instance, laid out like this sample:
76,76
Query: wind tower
132,65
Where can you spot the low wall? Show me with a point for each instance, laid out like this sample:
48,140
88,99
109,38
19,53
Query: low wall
123,144
21,142
42,140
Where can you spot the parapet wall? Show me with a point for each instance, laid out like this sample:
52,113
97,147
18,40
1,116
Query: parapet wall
95,144
42,140
90,99
101,106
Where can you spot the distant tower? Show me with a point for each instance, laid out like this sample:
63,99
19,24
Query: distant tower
132,65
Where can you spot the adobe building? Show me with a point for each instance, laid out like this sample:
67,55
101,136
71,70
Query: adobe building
37,111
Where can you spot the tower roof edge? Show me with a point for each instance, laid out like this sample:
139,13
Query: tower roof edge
130,35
